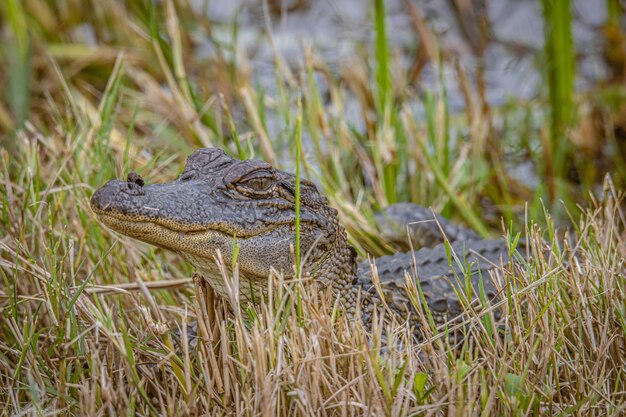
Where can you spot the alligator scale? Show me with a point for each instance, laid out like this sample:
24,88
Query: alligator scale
217,199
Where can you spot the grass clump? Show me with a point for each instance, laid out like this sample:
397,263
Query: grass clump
69,347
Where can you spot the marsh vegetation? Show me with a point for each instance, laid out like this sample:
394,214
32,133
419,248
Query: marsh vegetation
506,116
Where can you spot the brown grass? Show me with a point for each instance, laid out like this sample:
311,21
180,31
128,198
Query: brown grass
65,348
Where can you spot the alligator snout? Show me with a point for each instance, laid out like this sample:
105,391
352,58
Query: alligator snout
116,191
135,179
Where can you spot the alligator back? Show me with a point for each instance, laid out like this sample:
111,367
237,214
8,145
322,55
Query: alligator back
436,275
400,223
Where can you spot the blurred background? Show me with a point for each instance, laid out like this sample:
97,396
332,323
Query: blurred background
481,109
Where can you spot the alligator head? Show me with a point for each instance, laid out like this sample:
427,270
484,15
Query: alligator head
218,201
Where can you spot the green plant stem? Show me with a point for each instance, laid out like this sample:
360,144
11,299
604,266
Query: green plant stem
560,74
297,197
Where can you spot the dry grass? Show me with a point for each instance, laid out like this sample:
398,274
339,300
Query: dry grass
68,350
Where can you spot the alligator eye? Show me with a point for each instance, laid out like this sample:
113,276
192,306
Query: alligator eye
259,183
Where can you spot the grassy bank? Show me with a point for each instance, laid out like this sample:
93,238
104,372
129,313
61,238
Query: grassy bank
76,339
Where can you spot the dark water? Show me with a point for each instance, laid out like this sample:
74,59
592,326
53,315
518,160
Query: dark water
497,44
510,53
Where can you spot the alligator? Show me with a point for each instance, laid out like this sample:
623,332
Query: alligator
218,201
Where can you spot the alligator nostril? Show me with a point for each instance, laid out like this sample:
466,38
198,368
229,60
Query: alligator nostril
135,178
